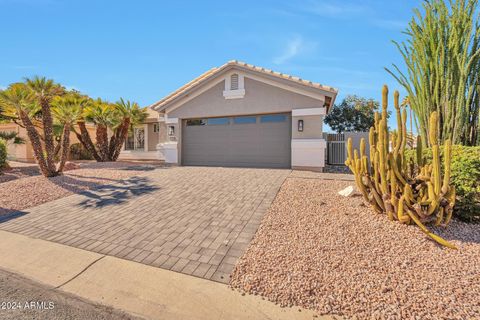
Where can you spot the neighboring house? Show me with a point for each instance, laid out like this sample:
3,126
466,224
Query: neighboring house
24,152
239,115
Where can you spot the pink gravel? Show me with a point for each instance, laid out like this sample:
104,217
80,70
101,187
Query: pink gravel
332,254
28,191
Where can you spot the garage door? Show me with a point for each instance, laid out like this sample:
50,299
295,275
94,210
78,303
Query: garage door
245,141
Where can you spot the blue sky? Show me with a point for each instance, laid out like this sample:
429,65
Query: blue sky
142,50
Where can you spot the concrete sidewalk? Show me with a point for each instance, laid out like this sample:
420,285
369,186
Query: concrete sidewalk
138,289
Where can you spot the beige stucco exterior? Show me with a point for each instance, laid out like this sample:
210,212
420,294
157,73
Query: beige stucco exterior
19,152
260,98
312,127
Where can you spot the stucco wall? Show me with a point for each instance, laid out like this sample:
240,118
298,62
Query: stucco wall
259,98
19,152
312,127
153,138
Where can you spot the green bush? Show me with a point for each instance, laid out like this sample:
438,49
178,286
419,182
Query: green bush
465,177
78,152
3,154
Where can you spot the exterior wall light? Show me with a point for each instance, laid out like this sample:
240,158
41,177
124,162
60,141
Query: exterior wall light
300,125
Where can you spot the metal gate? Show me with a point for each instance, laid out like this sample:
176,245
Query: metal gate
336,151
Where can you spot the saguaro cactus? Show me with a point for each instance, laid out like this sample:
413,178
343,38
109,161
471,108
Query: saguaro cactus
405,193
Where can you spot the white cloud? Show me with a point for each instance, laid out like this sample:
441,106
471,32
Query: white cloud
295,46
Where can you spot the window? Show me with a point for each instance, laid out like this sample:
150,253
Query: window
244,120
156,127
196,122
217,121
139,138
234,82
274,118
135,140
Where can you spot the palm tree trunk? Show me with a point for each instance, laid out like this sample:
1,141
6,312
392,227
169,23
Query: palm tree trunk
47,120
102,141
36,145
65,143
123,133
86,141
58,146
113,142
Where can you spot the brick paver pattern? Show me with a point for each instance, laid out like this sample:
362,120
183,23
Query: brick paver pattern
193,220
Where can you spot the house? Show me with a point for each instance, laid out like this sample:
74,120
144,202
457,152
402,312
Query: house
238,115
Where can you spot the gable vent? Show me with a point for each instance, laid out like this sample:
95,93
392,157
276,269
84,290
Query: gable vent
234,82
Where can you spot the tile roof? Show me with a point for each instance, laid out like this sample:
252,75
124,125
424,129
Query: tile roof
214,71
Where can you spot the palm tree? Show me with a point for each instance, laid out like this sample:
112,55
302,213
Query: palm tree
66,111
17,101
102,114
116,118
43,90
131,114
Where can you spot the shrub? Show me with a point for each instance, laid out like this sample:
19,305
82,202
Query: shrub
3,154
465,177
78,152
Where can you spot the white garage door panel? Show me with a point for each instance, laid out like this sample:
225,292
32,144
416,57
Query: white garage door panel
246,145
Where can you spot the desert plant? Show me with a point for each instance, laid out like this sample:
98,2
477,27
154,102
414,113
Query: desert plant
42,91
406,193
118,118
17,100
3,154
78,152
66,111
442,61
465,176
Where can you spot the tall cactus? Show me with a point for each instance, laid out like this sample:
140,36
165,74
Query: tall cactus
420,195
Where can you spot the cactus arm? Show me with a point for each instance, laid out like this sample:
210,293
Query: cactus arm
438,239
439,216
419,151
377,171
382,156
447,159
403,142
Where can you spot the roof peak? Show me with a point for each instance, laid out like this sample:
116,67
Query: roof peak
276,73
236,63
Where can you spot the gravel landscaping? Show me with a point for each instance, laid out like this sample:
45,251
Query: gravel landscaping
29,190
18,170
319,250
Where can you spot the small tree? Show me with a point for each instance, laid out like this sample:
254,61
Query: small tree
353,114
66,111
30,103
114,119
42,91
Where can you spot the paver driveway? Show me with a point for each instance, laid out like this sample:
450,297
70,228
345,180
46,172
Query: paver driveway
194,220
